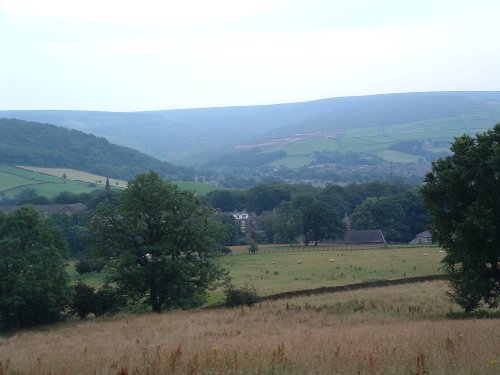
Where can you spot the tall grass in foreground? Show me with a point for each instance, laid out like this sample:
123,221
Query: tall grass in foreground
270,339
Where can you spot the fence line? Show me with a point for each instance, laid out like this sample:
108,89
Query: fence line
319,248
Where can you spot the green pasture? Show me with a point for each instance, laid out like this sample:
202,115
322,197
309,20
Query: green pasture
94,279
279,272
275,269
13,180
397,156
50,190
308,146
292,162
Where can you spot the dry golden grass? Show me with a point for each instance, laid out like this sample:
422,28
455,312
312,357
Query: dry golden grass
73,174
266,339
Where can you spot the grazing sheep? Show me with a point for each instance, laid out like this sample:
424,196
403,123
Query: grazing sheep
332,260
426,254
440,251
272,262
299,262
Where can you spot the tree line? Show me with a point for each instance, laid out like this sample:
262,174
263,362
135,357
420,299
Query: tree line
396,209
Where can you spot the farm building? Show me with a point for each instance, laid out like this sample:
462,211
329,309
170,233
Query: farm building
371,236
422,238
246,221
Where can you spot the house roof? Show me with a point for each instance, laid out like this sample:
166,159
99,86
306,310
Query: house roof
363,236
425,234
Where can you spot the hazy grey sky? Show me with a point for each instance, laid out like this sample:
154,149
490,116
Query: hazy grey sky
124,55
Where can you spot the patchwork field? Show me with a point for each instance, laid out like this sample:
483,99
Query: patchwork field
73,174
377,139
14,179
48,182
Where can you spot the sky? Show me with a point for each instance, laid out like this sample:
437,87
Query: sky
124,55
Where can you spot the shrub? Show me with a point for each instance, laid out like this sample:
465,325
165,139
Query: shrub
107,301
83,300
239,296
88,265
86,301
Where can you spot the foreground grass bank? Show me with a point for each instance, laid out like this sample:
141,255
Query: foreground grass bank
271,339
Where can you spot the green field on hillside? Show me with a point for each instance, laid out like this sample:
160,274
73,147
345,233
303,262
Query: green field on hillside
377,139
13,180
398,156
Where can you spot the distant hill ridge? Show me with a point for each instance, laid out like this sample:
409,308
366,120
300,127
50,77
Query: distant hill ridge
44,145
193,135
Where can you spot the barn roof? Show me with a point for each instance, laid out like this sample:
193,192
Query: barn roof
363,237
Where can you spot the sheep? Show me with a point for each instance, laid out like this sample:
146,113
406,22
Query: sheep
299,261
272,263
332,260
426,254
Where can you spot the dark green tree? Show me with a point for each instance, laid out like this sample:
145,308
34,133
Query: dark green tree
462,195
74,230
33,282
288,223
233,231
317,220
159,244
87,300
84,300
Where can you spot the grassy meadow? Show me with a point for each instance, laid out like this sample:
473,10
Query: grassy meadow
14,179
402,330
276,270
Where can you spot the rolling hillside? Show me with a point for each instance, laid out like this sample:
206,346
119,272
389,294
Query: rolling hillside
43,145
358,124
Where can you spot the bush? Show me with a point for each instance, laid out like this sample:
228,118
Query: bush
83,300
86,301
107,301
88,265
239,296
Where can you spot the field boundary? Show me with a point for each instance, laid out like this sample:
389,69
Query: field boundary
286,249
349,287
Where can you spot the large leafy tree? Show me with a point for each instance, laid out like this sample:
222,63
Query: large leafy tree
33,281
159,244
288,223
308,216
462,194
